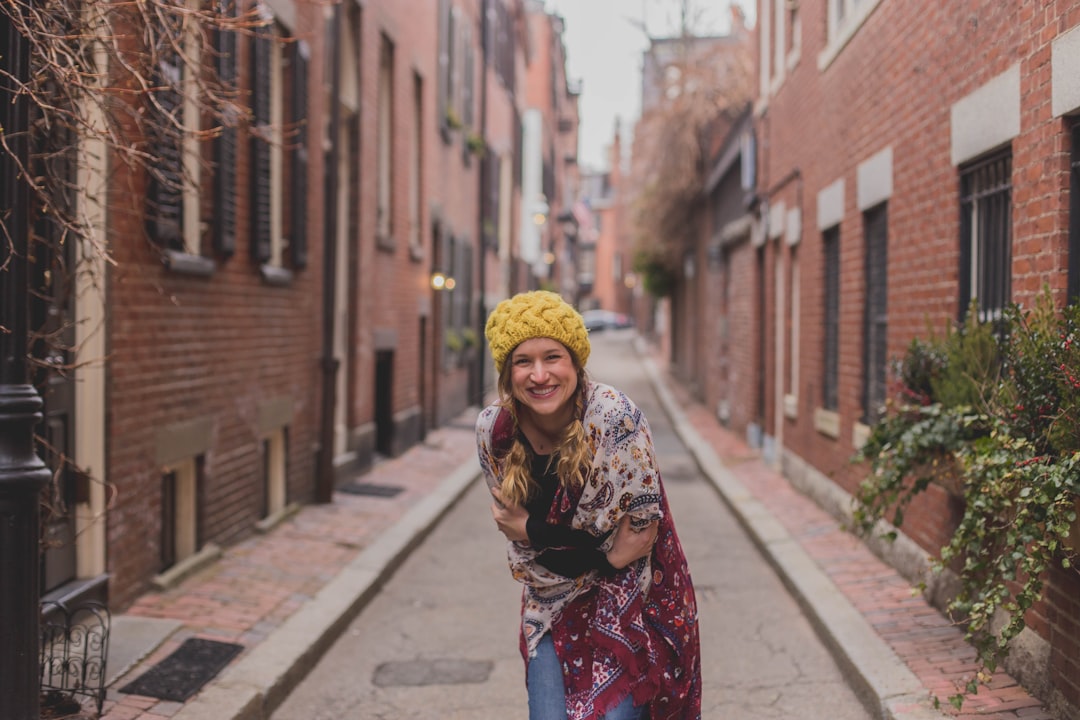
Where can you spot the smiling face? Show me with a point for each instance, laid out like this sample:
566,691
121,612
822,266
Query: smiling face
543,378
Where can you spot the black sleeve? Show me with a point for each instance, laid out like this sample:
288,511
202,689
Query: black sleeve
566,551
543,535
574,563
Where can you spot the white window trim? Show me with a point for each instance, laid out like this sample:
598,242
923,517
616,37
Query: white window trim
416,169
187,507
277,153
794,53
275,472
190,144
385,134
791,399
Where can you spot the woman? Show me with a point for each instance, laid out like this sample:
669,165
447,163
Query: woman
609,620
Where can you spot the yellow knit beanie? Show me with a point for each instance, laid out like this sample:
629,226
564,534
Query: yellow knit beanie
536,314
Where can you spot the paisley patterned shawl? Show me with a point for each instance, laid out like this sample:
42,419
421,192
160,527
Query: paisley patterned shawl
636,631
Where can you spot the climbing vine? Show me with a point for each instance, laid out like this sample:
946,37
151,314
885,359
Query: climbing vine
991,411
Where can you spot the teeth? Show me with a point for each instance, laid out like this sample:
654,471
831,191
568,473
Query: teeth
544,393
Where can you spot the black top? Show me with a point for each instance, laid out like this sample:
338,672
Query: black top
564,550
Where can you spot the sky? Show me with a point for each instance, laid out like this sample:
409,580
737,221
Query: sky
604,41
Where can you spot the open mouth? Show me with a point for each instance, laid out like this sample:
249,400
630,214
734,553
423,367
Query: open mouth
543,392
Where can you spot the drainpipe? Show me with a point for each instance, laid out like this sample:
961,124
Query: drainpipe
324,480
22,472
485,183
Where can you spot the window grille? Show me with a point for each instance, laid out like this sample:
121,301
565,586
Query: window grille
986,236
831,241
875,313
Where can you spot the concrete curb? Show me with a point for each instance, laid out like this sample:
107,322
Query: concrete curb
887,688
261,680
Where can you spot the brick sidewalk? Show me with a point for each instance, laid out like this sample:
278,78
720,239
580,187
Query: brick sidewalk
925,640
259,583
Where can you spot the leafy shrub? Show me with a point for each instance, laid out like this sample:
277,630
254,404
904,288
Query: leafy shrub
998,403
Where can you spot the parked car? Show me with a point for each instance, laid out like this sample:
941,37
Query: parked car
597,320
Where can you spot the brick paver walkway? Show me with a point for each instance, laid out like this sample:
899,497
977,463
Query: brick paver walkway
259,583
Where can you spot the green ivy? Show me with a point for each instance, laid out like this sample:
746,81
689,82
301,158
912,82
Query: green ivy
657,274
997,407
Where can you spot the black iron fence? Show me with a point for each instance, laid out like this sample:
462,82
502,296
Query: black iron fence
74,649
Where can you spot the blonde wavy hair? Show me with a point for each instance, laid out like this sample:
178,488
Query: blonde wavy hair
518,485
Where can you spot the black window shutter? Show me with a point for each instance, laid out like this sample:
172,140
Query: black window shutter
299,172
260,144
225,146
165,206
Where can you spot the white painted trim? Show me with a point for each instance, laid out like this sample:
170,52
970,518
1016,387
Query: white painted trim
874,179
830,205
827,422
793,226
986,118
91,323
777,219
1065,72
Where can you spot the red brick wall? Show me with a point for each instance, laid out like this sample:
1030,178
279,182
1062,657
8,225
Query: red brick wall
894,89
182,348
1063,612
893,84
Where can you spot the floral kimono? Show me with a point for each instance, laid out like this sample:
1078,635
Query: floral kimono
633,632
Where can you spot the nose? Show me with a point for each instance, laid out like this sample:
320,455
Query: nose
538,372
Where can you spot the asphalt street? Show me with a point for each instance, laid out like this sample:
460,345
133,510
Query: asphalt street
440,639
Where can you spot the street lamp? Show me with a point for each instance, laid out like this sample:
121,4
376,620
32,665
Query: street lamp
439,281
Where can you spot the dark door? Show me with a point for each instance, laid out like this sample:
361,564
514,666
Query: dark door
384,405
53,341
424,410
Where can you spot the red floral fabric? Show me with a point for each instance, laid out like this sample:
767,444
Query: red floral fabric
634,632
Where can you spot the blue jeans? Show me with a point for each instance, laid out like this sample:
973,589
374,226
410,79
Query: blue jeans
547,694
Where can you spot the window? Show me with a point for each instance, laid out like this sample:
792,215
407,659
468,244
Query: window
180,512
449,117
456,259
173,193
793,40
780,32
225,144
986,236
505,47
875,313
384,226
416,176
830,381
1074,218
468,117
844,19
791,399
278,153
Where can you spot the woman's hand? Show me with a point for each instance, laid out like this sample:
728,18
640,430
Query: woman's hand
509,518
630,544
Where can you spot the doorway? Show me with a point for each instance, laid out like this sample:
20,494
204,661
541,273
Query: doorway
384,402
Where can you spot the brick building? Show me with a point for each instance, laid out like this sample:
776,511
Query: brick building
299,291
897,176
550,175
